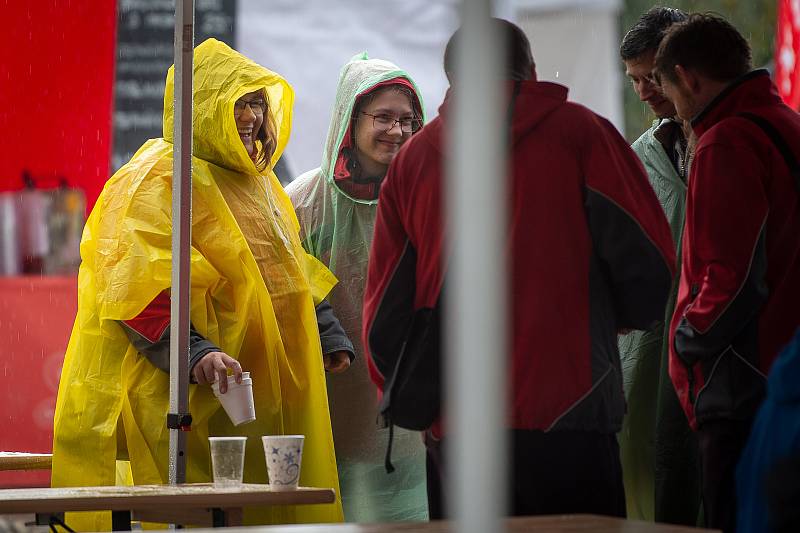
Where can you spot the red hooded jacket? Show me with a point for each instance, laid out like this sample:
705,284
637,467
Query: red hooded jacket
591,254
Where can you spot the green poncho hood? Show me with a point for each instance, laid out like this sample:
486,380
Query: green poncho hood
359,77
337,228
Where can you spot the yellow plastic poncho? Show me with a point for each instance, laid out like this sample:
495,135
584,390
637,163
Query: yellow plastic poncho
253,292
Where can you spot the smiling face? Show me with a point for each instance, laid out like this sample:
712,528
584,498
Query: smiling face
639,70
375,146
248,111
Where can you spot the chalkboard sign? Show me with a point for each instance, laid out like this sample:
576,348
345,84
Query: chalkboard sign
145,36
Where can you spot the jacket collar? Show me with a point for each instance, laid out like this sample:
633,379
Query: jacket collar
534,101
754,89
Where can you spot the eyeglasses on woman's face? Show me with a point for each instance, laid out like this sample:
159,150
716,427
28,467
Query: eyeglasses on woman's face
383,122
257,105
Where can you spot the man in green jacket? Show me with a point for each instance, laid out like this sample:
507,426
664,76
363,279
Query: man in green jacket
658,450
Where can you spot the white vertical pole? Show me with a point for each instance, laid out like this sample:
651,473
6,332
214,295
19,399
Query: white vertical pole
181,236
477,348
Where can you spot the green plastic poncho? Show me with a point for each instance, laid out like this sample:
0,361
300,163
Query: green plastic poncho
337,229
253,293
656,444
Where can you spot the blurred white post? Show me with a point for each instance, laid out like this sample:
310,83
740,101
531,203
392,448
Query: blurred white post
181,239
476,329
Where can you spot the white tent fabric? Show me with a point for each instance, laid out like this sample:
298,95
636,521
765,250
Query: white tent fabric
574,42
308,42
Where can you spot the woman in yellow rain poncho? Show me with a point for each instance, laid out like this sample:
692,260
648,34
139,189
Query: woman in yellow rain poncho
253,295
378,107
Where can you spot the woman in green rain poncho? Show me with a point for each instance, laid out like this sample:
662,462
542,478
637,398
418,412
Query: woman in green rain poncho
253,296
378,107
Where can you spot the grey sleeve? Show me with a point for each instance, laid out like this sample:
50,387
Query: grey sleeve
158,352
331,334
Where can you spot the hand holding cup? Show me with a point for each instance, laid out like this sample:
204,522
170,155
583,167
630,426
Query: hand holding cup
213,367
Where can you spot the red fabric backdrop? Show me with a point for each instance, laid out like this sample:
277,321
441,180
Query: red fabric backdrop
36,316
56,80
56,94
787,52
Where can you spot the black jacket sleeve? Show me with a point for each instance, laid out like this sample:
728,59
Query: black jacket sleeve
630,234
331,334
635,268
158,352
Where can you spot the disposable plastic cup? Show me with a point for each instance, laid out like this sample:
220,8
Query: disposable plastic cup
238,400
283,454
227,460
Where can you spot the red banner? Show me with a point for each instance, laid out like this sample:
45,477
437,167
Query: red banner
787,52
56,88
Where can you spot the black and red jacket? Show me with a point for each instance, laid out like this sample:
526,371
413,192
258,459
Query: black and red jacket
740,281
591,253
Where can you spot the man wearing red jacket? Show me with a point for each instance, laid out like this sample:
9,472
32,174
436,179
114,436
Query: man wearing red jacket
591,254
737,300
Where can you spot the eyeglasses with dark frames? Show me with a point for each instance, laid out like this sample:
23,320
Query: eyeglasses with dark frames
385,123
257,106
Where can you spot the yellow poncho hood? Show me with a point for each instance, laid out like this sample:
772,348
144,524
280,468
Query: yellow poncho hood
222,76
253,292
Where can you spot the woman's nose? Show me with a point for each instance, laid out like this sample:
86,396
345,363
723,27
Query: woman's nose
247,114
395,129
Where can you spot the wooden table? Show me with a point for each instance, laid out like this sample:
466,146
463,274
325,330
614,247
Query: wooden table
538,524
25,461
190,504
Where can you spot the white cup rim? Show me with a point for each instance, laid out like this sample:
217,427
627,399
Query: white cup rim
227,438
245,375
283,437
246,382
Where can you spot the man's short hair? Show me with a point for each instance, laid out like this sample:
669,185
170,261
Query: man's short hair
707,44
648,31
519,58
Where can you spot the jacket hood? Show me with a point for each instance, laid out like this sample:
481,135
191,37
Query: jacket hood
358,76
534,101
221,76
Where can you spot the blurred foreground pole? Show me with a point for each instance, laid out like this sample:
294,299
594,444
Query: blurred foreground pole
476,330
181,237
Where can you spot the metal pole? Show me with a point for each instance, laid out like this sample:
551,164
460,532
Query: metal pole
181,238
477,348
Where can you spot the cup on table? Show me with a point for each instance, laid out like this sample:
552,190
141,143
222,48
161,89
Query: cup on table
283,454
238,400
227,460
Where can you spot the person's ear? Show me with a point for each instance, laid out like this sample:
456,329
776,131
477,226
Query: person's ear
688,79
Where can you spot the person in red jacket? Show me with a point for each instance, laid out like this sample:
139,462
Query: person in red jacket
740,279
591,254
